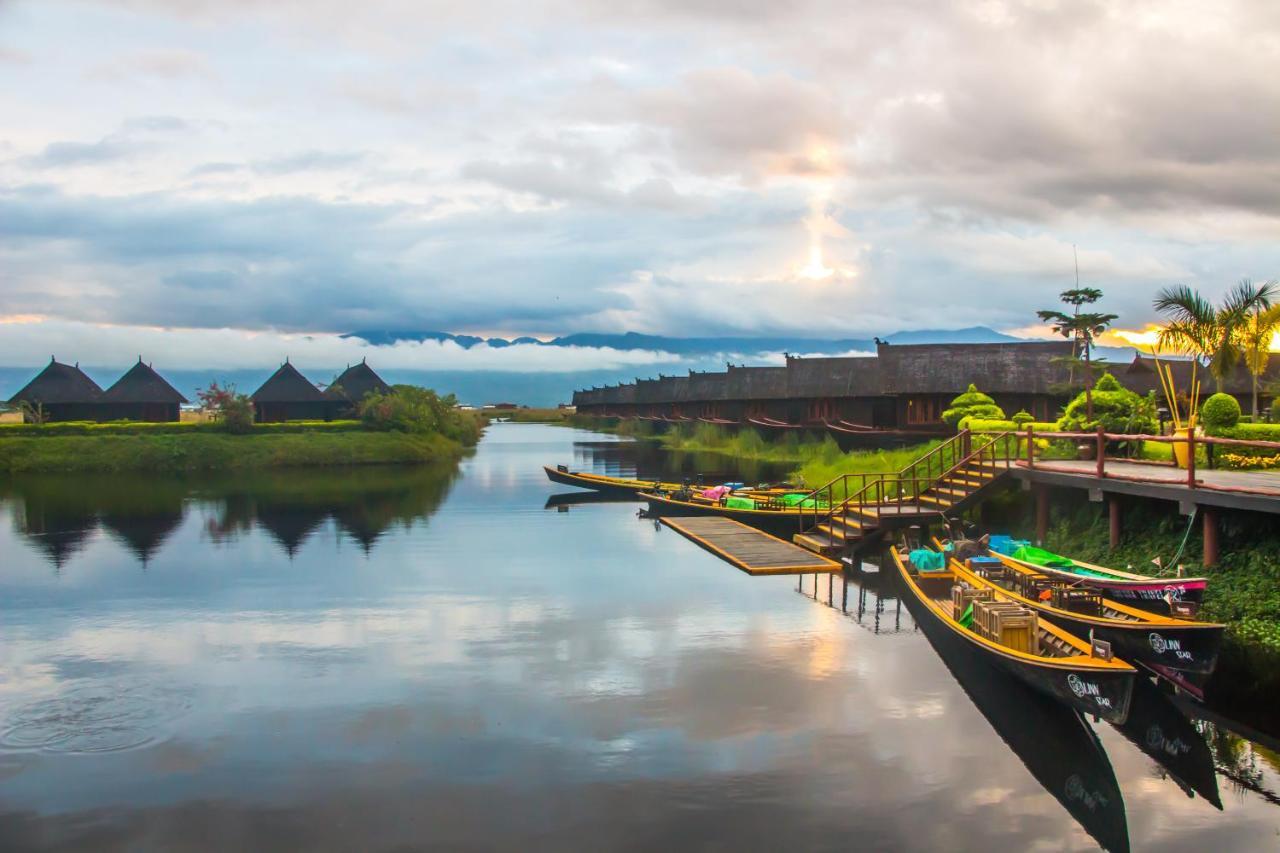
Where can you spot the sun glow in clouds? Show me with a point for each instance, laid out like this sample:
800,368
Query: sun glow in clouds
819,223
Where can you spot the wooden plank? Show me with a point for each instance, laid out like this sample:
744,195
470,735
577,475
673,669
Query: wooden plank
753,551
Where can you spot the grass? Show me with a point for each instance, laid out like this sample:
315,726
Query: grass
533,416
204,450
184,428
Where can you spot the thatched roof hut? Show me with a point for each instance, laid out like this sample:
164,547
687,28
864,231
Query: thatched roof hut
352,385
289,396
64,392
141,394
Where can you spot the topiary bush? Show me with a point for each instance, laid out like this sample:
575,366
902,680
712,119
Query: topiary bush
1275,411
1022,417
1219,412
972,404
1115,407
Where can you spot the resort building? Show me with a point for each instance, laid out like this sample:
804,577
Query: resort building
351,386
62,392
902,388
140,394
290,396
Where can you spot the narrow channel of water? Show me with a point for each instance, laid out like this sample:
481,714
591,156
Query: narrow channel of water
392,659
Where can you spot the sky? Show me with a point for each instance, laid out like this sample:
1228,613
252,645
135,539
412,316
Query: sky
216,180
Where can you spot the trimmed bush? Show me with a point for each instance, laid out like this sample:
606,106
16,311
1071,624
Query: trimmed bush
1022,417
1220,411
1275,411
972,404
1115,407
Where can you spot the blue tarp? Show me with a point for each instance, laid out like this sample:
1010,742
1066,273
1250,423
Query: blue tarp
1006,544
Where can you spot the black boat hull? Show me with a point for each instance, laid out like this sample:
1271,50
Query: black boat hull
1189,648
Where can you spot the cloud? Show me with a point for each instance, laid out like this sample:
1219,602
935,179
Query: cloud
134,136
162,64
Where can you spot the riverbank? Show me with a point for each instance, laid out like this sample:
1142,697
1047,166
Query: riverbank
170,452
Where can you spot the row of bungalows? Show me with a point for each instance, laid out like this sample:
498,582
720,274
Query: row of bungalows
64,392
899,388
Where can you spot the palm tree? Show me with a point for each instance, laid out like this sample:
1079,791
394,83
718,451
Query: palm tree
1082,329
1211,333
1259,330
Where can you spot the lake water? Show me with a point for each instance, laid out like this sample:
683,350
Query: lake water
435,658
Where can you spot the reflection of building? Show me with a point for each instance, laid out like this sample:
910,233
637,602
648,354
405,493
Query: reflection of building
63,391
291,525
140,395
899,388
142,534
351,386
289,396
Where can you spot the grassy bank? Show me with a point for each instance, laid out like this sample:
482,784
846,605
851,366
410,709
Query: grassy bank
532,416
205,451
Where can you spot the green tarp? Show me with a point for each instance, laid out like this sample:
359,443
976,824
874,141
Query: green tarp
739,503
926,560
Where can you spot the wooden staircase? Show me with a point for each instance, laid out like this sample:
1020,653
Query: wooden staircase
853,508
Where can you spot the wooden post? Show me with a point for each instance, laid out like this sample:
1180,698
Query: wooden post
1042,513
1210,519
1191,457
1113,505
1031,455
1102,453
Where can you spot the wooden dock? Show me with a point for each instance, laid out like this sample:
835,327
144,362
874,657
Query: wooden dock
752,550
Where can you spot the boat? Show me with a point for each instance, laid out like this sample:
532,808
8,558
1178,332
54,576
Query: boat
1145,591
1056,663
1136,635
631,487
1060,750
764,512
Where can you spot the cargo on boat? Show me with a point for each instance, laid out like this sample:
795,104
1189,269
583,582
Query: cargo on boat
1159,595
1136,635
1014,637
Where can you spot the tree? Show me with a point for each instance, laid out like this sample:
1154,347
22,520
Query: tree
1259,330
1082,329
1215,334
233,410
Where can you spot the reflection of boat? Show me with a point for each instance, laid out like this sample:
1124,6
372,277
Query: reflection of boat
1159,728
1058,664
1052,741
568,499
1145,591
1136,635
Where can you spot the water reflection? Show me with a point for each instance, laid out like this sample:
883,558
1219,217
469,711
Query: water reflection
59,515
868,597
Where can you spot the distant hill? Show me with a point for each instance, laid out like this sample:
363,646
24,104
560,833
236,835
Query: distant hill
698,346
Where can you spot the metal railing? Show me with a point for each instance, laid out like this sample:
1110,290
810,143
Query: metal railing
879,494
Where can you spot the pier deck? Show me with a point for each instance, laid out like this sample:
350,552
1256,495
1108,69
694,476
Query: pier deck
1258,491
752,550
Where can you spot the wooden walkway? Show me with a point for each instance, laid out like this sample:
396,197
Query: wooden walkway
1258,491
752,550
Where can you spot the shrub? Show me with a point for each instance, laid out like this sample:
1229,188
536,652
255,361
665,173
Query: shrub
1275,411
972,404
232,410
1022,417
410,409
1221,411
1115,407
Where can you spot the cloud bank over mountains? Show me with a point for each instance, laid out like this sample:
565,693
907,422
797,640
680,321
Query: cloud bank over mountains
240,170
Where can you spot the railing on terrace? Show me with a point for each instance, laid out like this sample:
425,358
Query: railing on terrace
1101,440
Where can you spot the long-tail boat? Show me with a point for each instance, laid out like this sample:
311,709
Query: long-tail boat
1061,751
1145,591
630,487
768,512
1055,662
1136,635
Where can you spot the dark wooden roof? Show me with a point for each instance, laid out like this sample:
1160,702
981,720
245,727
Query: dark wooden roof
757,383
287,385
833,377
355,382
59,383
708,386
1025,368
141,384
1140,376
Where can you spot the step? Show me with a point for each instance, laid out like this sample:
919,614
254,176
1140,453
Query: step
840,531
816,544
945,488
933,501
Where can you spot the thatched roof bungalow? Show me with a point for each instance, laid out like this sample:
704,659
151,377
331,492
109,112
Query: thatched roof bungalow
63,392
290,396
351,386
141,394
